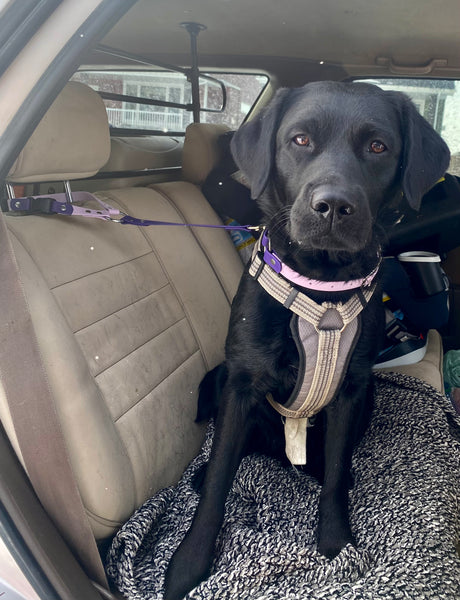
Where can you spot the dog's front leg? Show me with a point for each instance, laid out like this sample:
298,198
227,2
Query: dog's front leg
345,417
192,561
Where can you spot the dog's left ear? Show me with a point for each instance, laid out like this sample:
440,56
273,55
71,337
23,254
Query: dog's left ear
425,154
254,144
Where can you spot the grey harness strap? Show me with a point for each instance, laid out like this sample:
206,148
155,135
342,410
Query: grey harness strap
328,331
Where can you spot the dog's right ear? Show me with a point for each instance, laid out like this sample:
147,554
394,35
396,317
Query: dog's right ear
254,144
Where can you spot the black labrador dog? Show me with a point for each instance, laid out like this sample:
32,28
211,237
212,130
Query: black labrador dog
328,164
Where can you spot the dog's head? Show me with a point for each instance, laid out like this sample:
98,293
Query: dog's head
322,160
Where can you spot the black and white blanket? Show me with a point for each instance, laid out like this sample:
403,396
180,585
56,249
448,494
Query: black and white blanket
405,515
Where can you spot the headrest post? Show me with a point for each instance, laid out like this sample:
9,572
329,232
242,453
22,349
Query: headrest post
10,191
68,192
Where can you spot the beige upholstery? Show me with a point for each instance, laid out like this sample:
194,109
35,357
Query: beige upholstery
71,141
201,151
129,320
136,153
430,368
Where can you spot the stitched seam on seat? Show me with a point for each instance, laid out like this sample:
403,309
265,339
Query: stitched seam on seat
110,523
124,307
95,272
140,346
167,274
213,265
157,385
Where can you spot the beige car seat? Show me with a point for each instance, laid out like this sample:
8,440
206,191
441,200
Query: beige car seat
128,319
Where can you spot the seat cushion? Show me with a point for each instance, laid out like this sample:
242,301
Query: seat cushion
429,369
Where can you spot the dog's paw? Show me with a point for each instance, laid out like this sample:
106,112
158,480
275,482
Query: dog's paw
334,534
330,548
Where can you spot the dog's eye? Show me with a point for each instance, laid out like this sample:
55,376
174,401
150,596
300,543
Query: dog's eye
301,140
377,147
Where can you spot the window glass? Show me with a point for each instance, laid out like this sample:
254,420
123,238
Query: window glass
438,100
242,91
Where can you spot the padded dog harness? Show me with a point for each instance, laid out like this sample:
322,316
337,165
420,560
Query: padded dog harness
329,330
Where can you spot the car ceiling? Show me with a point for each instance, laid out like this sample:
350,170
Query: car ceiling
352,33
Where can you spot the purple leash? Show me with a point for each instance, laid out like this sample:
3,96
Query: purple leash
59,204
128,220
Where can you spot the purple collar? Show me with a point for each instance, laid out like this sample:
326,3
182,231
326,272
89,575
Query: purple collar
272,260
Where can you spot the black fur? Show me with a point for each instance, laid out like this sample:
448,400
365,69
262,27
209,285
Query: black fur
325,205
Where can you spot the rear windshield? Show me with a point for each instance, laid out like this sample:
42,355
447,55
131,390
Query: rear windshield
173,92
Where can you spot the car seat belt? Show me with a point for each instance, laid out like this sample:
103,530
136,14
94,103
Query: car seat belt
34,416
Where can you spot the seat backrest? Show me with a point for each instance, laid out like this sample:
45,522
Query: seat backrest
128,319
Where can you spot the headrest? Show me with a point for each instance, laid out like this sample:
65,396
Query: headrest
148,152
201,150
72,140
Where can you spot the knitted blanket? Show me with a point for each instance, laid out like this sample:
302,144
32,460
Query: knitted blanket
404,509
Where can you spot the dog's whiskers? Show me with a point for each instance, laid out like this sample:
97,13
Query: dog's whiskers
279,221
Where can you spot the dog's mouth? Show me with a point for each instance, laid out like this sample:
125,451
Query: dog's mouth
333,264
329,236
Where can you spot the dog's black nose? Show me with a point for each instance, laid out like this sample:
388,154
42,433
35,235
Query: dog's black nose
329,204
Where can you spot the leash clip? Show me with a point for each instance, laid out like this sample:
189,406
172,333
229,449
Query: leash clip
118,220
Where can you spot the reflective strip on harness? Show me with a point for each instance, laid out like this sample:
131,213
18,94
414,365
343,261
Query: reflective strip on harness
318,382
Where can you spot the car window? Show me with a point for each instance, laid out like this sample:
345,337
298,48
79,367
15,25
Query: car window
172,91
438,100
